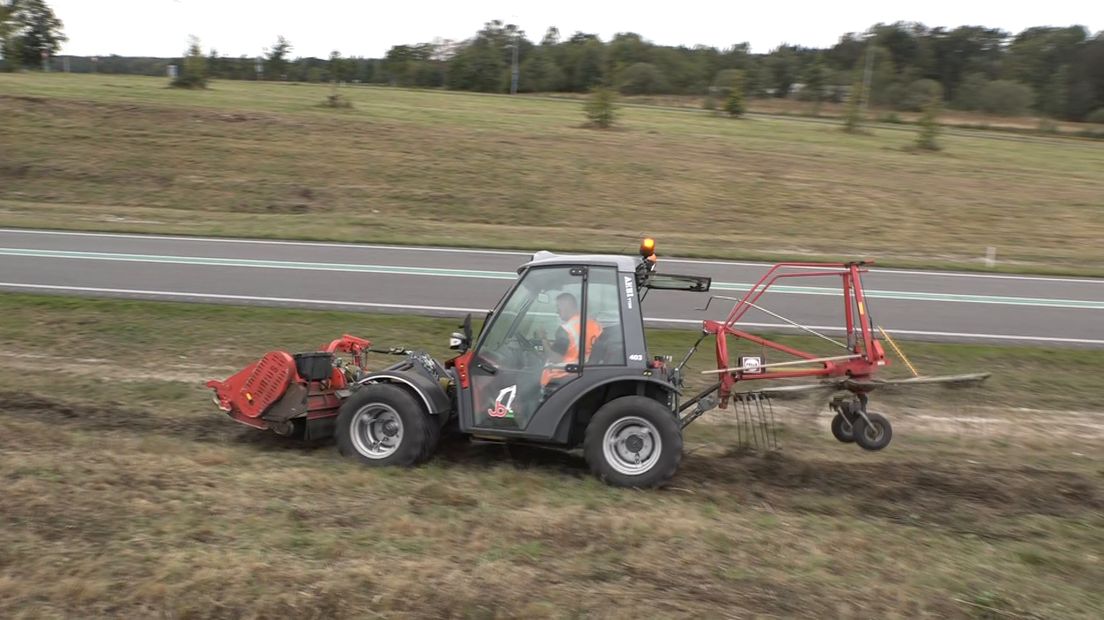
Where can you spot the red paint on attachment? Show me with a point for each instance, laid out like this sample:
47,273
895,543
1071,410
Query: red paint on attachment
256,387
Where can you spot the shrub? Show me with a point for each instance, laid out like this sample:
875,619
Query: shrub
601,108
725,80
891,117
916,96
734,103
337,100
1096,116
969,92
1047,125
643,79
929,125
193,70
852,120
1006,98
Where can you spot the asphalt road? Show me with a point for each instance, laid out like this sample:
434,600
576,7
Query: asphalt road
925,305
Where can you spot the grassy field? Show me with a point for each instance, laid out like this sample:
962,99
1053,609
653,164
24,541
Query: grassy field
127,153
128,495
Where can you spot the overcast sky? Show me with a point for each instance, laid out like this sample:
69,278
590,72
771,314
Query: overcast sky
370,28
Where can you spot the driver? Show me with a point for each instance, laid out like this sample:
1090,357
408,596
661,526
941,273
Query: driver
566,342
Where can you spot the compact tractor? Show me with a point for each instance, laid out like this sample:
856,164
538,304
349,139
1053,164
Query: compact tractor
562,361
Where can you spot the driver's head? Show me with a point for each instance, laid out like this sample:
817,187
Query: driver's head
566,306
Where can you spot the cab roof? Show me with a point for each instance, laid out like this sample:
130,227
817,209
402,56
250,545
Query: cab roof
545,259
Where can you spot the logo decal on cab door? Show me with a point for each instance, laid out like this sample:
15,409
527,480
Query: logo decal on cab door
502,406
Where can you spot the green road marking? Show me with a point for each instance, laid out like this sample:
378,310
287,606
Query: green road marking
507,275
264,264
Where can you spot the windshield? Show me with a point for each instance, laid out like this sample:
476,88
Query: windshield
532,306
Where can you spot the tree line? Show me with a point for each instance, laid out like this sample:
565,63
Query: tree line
1052,71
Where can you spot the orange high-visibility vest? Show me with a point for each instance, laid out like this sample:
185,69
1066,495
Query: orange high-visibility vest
571,355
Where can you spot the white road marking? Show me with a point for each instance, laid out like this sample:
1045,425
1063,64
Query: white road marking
955,274
459,310
506,275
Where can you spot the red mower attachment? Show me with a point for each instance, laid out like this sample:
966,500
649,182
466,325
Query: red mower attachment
286,393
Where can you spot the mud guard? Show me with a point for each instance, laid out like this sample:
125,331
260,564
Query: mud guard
428,391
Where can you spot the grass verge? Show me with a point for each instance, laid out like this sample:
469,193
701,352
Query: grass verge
125,153
126,494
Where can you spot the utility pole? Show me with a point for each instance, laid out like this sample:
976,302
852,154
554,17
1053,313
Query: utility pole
514,65
867,75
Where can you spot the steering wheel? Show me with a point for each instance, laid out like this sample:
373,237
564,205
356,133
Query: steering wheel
525,342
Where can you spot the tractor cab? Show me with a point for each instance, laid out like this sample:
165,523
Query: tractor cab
567,337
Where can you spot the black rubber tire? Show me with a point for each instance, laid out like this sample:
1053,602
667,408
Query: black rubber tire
842,430
412,447
432,436
873,437
666,425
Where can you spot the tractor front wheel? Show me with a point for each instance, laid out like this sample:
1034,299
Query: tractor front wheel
382,425
633,441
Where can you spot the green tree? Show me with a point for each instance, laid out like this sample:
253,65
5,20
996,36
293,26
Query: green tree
478,66
29,31
601,107
540,74
725,80
1006,98
586,62
783,67
816,84
340,69
193,67
7,47
1055,97
216,65
970,91
643,79
917,94
276,59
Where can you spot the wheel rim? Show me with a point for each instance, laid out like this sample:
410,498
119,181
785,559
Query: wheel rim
632,445
873,432
377,430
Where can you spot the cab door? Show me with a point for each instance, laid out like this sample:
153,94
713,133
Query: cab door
509,382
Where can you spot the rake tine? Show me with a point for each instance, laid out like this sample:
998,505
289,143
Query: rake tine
741,434
751,422
762,421
773,423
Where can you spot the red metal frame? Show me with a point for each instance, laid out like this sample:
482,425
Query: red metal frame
236,395
870,352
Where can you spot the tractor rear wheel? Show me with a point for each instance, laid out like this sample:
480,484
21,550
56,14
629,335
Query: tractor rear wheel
633,441
383,424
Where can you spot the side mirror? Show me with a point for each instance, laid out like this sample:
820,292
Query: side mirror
457,342
461,341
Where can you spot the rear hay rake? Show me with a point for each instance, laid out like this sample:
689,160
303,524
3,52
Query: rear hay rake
851,372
